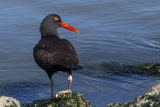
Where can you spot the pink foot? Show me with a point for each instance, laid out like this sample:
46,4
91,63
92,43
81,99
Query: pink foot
62,92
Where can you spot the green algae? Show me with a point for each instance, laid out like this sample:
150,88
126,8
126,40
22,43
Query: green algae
64,100
150,68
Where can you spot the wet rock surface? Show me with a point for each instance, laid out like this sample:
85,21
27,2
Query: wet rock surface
149,68
149,99
9,102
64,100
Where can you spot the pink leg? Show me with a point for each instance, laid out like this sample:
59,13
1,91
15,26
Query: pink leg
69,86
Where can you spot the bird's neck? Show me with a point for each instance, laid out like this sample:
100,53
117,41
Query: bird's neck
50,36
49,33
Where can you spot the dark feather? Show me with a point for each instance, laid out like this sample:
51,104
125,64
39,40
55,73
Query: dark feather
53,53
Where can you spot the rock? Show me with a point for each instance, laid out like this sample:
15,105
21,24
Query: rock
8,102
64,100
118,68
150,68
149,99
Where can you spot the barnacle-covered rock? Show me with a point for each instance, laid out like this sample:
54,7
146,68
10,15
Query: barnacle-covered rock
8,102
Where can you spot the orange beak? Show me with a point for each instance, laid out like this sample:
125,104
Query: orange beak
69,27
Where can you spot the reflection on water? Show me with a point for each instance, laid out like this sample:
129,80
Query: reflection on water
112,33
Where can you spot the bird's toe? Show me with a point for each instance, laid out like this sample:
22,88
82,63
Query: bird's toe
68,91
63,92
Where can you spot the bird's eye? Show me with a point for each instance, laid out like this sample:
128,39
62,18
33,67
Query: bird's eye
56,18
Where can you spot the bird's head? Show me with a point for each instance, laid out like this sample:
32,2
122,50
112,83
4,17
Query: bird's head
50,24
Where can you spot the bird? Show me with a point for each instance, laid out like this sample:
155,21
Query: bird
54,54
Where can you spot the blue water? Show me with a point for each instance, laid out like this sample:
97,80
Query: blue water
113,33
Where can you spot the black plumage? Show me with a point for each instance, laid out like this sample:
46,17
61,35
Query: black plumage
53,53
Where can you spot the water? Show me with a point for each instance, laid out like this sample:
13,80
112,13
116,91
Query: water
113,32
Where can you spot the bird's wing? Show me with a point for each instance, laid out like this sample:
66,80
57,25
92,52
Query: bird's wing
55,53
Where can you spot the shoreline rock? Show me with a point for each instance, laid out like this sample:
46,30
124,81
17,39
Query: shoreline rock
9,102
149,99
64,100
149,69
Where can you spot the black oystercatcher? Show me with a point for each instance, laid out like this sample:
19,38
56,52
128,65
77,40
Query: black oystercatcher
53,53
